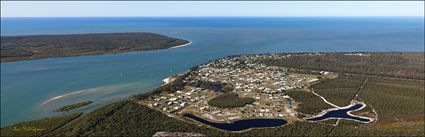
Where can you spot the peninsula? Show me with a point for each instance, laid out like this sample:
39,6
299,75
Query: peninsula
16,48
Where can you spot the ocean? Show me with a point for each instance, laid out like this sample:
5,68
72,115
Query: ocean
34,89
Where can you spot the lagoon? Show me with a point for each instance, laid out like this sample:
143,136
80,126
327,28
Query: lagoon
240,125
343,113
27,86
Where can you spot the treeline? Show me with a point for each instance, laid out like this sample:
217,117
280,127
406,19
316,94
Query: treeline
399,65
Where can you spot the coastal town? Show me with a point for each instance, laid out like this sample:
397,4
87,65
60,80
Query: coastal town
244,77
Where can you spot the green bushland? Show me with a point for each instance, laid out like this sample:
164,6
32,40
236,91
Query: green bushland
340,82
402,65
126,118
338,91
15,48
37,127
294,129
366,111
74,106
229,100
394,100
340,96
329,121
351,128
400,108
310,103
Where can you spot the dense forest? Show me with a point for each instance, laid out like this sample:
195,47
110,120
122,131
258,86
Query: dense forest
15,48
399,65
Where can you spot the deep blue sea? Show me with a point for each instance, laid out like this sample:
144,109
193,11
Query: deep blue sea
27,86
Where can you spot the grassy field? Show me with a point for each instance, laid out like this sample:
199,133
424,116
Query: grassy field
37,127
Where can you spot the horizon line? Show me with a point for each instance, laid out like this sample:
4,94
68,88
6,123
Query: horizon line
185,16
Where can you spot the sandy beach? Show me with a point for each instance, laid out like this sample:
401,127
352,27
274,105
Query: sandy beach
179,46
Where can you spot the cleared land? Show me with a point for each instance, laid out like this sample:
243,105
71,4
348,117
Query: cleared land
15,48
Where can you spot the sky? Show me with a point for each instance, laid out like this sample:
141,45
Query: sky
208,8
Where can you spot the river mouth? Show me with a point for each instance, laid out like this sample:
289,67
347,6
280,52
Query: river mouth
342,113
212,38
240,125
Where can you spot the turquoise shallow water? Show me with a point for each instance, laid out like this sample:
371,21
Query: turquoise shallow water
26,86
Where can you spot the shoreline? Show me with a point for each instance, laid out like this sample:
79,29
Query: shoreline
166,80
169,79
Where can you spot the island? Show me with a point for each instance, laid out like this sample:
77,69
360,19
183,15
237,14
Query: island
74,106
16,48
288,94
